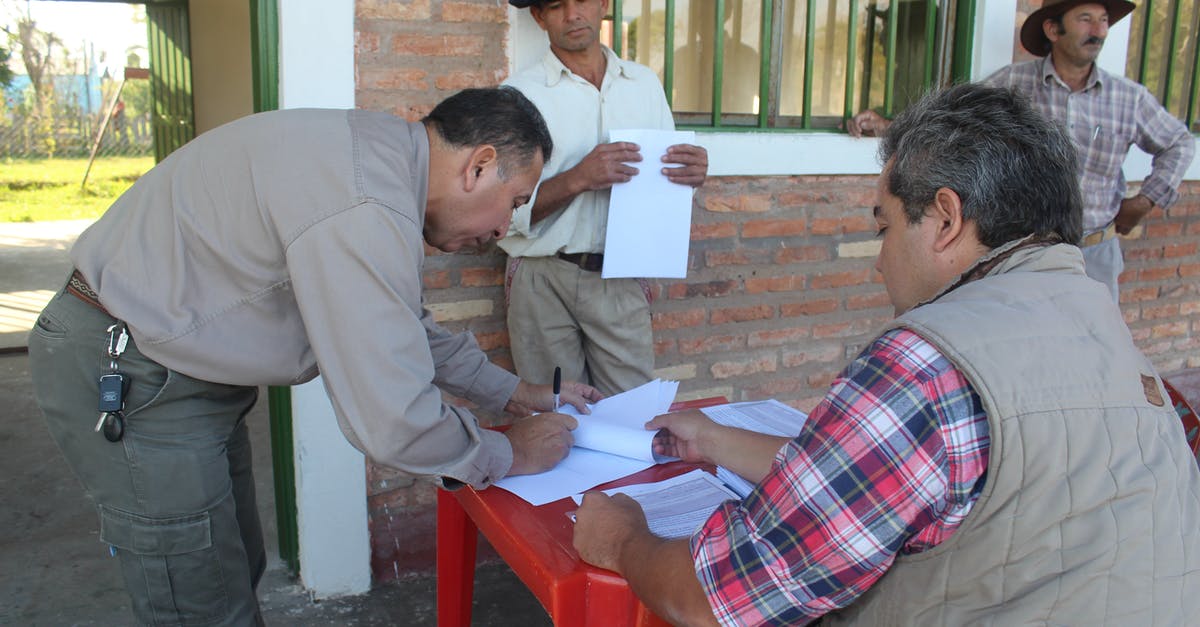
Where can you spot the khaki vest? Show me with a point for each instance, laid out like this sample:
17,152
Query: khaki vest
1090,511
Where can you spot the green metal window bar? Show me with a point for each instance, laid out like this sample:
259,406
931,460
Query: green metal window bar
1171,73
856,80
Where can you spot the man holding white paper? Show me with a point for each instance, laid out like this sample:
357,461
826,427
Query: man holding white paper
561,311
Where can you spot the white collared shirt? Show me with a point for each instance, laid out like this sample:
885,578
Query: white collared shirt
579,117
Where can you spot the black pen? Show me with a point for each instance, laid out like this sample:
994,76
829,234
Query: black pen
557,385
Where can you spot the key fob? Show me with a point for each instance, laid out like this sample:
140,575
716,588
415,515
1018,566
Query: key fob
112,392
114,427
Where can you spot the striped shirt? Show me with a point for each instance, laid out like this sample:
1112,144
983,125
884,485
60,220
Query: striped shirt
890,462
1104,119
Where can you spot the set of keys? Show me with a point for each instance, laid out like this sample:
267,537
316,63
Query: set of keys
112,387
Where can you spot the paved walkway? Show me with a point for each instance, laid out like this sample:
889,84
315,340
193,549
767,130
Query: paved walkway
33,266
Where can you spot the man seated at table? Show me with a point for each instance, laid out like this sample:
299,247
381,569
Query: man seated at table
1002,453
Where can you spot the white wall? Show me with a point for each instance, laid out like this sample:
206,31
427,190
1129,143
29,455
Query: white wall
316,69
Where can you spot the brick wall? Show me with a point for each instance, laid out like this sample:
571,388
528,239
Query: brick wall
781,288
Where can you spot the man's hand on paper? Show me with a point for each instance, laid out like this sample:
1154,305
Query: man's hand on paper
539,442
604,166
687,435
604,525
528,398
693,161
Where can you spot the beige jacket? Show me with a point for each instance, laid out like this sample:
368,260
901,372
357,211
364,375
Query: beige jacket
292,240
1090,514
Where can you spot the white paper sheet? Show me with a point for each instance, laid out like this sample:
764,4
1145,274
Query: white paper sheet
649,217
769,416
619,445
676,507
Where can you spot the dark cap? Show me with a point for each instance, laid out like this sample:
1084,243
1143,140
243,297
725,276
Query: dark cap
1033,36
523,4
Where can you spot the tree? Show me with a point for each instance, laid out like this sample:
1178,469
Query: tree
37,48
6,74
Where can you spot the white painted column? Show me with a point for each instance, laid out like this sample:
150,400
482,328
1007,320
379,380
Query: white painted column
316,69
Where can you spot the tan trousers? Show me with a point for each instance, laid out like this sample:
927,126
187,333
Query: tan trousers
596,330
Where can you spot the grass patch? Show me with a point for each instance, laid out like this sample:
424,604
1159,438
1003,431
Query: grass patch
41,190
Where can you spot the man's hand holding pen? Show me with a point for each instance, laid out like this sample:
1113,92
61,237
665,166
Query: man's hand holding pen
539,442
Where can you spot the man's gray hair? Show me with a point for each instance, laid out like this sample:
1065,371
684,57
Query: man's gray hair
1014,169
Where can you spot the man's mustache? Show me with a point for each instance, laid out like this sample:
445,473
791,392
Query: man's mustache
1094,40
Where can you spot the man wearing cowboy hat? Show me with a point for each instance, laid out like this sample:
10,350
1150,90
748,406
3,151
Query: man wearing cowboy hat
1103,113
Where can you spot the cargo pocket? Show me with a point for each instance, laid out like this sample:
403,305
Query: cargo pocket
171,568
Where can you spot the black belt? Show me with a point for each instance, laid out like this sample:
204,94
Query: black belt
79,288
592,262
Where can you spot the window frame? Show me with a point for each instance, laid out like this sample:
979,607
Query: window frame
955,64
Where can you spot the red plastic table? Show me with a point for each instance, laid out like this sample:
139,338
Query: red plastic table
536,544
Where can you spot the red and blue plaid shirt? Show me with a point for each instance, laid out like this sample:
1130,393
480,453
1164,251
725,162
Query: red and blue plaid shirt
889,463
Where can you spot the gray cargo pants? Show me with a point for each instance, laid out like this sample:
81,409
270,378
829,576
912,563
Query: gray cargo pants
176,495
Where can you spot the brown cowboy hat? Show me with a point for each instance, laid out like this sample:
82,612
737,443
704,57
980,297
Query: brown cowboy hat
1033,37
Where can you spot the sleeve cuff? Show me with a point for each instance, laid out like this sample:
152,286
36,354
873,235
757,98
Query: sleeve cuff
492,463
1160,193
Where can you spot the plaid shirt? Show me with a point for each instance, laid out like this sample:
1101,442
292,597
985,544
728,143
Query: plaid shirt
890,462
1107,116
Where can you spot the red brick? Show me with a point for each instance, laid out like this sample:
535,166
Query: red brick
664,347
1163,229
493,340
1180,250
366,42
820,380
1160,311
708,289
678,319
741,203
777,337
1170,329
390,10
840,279
855,327
1139,335
713,231
437,45
839,225
812,355
741,314
470,12
773,228
1138,294
727,369
1143,253
788,283
482,277
435,279
738,257
1189,269
455,81
809,308
868,301
774,387
1158,274
393,78
804,253
711,344
1190,308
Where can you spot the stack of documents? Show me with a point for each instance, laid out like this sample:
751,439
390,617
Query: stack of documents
613,442
610,443
676,507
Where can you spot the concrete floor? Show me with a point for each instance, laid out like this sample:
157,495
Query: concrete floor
54,570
